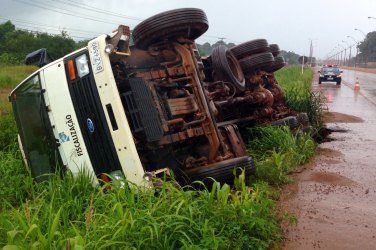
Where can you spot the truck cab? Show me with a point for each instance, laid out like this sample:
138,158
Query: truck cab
113,110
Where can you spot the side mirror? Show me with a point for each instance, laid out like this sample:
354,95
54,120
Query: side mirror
39,57
341,71
319,71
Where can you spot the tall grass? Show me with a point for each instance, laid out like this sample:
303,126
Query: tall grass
298,93
277,151
10,76
69,214
16,181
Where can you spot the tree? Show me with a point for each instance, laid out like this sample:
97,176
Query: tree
16,44
367,47
290,57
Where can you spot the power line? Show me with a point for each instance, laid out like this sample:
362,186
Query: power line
102,11
40,25
88,17
39,32
64,11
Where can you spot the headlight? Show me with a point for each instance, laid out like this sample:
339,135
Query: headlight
82,65
109,48
118,177
321,75
148,177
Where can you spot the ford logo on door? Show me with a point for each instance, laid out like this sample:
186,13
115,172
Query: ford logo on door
90,125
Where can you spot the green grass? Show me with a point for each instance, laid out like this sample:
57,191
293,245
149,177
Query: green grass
8,130
11,76
277,151
68,213
298,94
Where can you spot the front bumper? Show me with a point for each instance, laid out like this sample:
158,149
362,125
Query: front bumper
330,78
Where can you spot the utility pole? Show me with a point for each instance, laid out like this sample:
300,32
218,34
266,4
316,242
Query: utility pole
310,53
348,61
364,54
357,50
342,50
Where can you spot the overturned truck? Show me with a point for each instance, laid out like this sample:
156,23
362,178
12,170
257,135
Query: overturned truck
136,111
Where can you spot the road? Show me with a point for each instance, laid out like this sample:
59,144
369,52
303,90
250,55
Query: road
367,82
334,196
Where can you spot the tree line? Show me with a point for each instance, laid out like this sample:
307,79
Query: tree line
15,44
206,49
367,48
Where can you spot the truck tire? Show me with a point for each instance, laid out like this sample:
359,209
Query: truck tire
279,63
259,61
188,23
303,118
250,48
223,171
290,121
226,67
274,49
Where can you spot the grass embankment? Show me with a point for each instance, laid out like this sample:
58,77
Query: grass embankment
10,76
298,94
68,213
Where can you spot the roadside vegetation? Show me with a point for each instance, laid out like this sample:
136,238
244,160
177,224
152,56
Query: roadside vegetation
298,94
68,213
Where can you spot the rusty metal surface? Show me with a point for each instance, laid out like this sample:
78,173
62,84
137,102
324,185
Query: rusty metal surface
192,100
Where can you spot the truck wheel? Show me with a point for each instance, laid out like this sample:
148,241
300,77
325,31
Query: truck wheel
319,81
303,118
274,49
259,61
223,171
290,121
226,67
188,23
279,63
250,48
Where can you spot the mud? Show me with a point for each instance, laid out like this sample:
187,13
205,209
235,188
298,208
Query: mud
335,117
333,196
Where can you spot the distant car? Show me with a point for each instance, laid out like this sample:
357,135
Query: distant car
330,73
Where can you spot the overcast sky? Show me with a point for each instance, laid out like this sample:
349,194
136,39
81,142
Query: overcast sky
292,24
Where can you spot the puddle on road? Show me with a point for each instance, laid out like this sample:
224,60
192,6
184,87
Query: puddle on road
335,117
330,179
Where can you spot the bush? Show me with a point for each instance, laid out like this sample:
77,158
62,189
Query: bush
298,93
277,151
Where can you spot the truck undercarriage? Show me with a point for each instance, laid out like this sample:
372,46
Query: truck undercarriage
186,113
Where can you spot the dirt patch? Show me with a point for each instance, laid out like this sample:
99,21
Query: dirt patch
335,117
328,152
330,179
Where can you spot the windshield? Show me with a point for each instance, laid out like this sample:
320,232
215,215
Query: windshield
34,128
330,69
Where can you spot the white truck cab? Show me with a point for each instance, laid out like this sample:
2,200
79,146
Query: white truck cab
69,112
111,109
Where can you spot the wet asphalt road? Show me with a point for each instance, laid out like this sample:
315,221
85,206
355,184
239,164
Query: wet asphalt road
334,196
367,82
